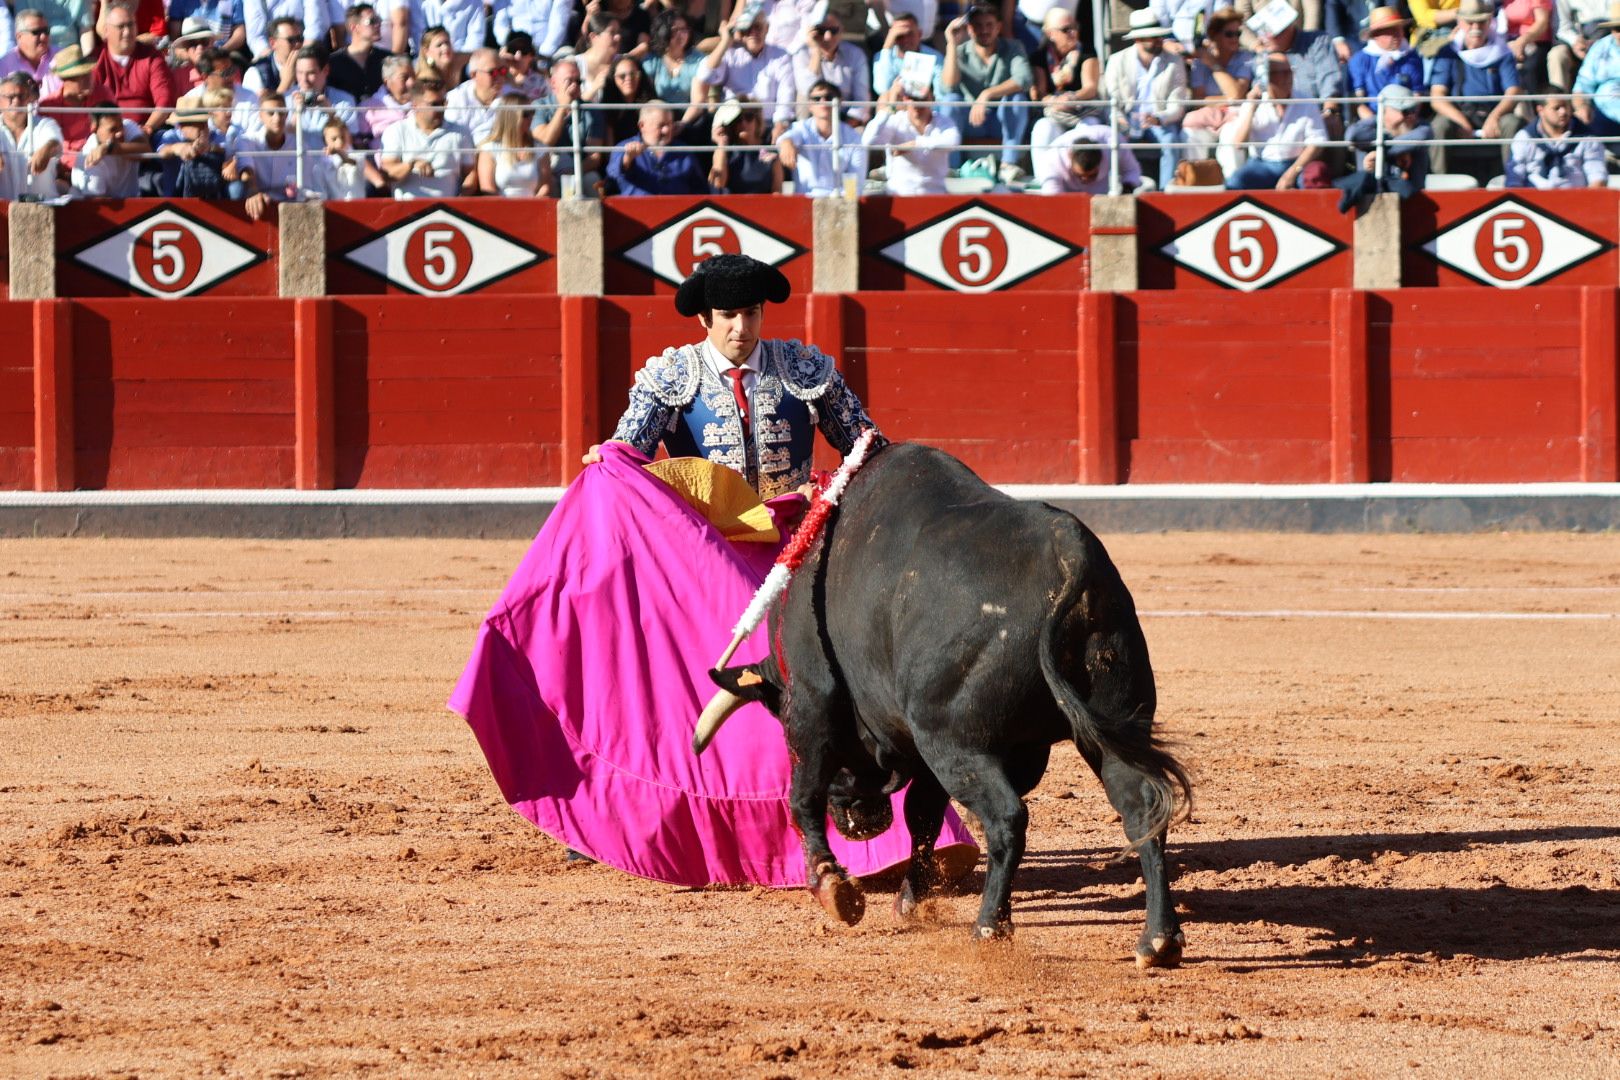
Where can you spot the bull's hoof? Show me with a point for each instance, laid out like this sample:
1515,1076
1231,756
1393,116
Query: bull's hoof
998,931
905,904
841,897
1161,952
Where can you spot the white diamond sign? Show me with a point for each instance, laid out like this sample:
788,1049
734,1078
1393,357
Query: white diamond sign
167,254
976,250
442,253
1510,244
1248,246
677,246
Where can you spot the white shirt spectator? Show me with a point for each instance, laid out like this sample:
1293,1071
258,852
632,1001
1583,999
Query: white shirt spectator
448,148
546,21
463,18
416,22
786,20
766,77
927,12
1287,131
1185,18
258,15
340,104
462,107
1546,163
848,69
18,150
337,180
921,171
273,170
1570,14
115,176
814,172
1057,176
8,37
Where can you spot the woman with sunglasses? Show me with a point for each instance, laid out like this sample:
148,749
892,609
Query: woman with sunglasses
1221,74
627,86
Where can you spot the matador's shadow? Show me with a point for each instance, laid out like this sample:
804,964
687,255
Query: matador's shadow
1360,924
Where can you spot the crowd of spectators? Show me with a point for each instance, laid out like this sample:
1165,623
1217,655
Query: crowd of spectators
267,100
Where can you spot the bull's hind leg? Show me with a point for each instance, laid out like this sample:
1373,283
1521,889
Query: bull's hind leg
981,783
831,885
925,814
1162,940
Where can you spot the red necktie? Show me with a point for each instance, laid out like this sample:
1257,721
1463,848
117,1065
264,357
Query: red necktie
735,374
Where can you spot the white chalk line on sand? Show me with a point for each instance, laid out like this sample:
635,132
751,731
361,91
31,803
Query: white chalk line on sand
1204,613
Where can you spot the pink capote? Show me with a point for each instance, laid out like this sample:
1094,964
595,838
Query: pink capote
588,677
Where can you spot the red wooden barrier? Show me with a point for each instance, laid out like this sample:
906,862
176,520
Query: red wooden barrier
17,399
1510,240
166,249
987,244
445,248
5,251
653,241
459,393
1244,241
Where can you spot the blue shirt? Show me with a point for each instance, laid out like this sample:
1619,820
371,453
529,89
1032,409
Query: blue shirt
1600,77
1466,80
653,173
1368,76
814,173
222,16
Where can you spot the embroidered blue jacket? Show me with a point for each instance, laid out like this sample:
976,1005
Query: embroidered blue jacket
677,400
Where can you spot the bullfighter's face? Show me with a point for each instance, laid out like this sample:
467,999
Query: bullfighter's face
735,332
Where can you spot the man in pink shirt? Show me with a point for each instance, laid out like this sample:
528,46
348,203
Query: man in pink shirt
33,53
134,75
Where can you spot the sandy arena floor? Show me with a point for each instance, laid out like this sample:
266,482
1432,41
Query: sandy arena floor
240,835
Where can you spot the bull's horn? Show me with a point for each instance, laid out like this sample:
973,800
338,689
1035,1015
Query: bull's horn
715,713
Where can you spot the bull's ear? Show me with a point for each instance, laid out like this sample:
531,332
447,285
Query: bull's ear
748,683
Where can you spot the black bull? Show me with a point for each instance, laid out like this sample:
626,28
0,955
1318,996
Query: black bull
943,633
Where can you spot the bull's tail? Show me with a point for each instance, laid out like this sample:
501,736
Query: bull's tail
1129,738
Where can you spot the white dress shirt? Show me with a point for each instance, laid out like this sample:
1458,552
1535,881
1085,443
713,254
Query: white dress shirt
921,171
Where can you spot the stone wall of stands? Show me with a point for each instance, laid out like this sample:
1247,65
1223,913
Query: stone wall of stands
487,343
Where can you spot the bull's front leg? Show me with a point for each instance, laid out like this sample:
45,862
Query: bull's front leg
925,814
813,772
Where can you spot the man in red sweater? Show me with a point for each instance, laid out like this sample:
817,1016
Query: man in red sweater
134,75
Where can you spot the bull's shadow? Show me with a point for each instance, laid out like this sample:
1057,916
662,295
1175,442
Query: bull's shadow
1499,922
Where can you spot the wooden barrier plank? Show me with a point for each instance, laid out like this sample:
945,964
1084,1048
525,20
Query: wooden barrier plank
1459,408
1494,459
1600,386
1350,452
314,417
54,459
1098,399
579,392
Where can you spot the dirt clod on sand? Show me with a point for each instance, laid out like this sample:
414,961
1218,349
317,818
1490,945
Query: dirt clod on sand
240,835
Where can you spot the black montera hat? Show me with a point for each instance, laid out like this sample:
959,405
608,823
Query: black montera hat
729,282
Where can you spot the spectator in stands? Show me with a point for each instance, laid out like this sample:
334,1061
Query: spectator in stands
602,40
627,86
1550,154
517,54
319,101
437,58
218,72
1028,21
1386,58
29,149
545,22
1597,87
554,127
826,57
742,64
1576,23
266,167
223,18
273,72
1185,18
1065,66
807,147
926,12
357,68
71,21
904,36
1406,157
1528,27
991,72
340,173
192,155
1290,136
671,65
392,103
404,26
33,53
1317,71
465,22
1433,22
634,23
134,75
185,52
151,22
106,165
918,140
643,166
220,105
1149,90
510,163
1081,160
1478,63
424,157
472,104
75,77
261,16
743,164
1221,73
